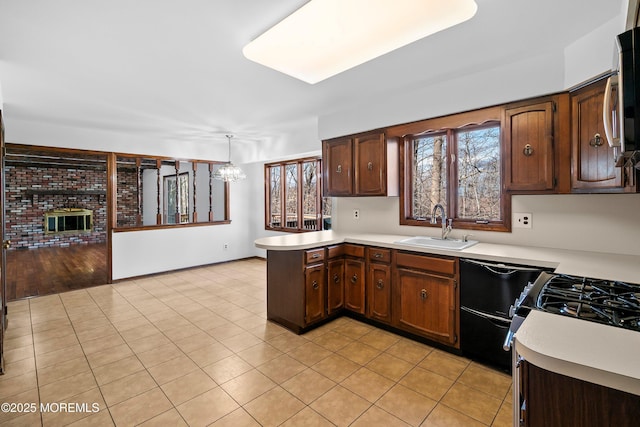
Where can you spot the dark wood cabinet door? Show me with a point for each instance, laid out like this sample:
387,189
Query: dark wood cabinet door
354,280
337,167
335,285
592,160
314,279
370,165
426,304
379,292
528,135
555,400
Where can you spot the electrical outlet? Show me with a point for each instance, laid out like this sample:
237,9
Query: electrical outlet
225,246
522,220
356,214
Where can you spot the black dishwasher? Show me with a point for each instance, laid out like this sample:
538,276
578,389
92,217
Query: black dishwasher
487,290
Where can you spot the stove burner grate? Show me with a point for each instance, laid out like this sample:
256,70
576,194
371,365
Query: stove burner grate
608,302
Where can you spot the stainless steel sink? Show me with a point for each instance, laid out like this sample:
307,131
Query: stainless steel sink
434,242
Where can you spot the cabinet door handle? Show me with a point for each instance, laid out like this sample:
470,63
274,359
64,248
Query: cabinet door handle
380,284
596,141
370,166
377,255
315,256
354,278
423,294
528,150
315,285
336,278
339,169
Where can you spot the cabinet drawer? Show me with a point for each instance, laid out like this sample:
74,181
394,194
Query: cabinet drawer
314,255
335,251
354,250
379,255
420,262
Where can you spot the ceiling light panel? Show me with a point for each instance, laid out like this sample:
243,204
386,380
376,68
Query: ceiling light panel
326,37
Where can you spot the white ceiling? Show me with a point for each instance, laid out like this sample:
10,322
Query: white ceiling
174,69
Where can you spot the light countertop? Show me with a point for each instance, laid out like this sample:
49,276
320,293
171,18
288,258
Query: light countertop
597,265
589,351
601,354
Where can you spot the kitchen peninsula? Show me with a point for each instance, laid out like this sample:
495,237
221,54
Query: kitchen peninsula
611,361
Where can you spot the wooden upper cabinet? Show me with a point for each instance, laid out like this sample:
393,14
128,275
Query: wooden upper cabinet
337,167
529,154
360,165
370,165
592,160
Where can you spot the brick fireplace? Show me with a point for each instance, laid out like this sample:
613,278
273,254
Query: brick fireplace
33,191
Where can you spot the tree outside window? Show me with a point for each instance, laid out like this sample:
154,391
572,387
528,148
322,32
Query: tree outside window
461,170
294,187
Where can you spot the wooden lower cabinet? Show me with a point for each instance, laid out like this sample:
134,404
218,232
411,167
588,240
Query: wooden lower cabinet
549,399
379,292
295,290
315,289
405,290
426,297
354,288
379,284
335,285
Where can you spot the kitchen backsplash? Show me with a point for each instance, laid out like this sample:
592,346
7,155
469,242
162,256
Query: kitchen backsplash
589,222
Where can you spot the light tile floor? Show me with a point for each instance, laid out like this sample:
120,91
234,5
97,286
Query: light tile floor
194,348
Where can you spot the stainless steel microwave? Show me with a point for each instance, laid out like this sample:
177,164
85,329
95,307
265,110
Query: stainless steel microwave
622,100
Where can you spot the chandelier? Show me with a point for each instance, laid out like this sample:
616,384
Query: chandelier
229,172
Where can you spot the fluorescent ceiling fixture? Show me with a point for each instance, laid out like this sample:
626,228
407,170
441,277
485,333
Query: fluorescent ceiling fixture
326,37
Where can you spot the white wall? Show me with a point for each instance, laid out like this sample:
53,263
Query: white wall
593,54
137,253
533,76
54,135
589,222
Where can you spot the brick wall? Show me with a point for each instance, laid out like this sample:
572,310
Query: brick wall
127,195
25,212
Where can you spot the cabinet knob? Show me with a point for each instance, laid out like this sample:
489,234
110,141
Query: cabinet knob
377,255
380,284
423,294
354,278
315,256
370,166
528,150
596,141
336,278
315,285
339,169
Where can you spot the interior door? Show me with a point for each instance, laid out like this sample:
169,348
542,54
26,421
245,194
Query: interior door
3,251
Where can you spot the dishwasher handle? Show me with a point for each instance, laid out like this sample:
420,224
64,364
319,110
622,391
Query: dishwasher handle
500,268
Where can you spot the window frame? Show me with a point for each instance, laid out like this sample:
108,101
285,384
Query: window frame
319,223
450,125
115,158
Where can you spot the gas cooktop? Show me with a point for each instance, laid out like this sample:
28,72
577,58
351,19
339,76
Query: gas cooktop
604,301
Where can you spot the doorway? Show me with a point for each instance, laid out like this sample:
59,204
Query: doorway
47,190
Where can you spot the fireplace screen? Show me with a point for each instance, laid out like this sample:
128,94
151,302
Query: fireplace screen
68,220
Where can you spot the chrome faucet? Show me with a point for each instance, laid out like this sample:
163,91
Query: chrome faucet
446,227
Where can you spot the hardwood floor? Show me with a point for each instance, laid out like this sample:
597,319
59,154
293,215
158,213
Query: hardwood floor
46,271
